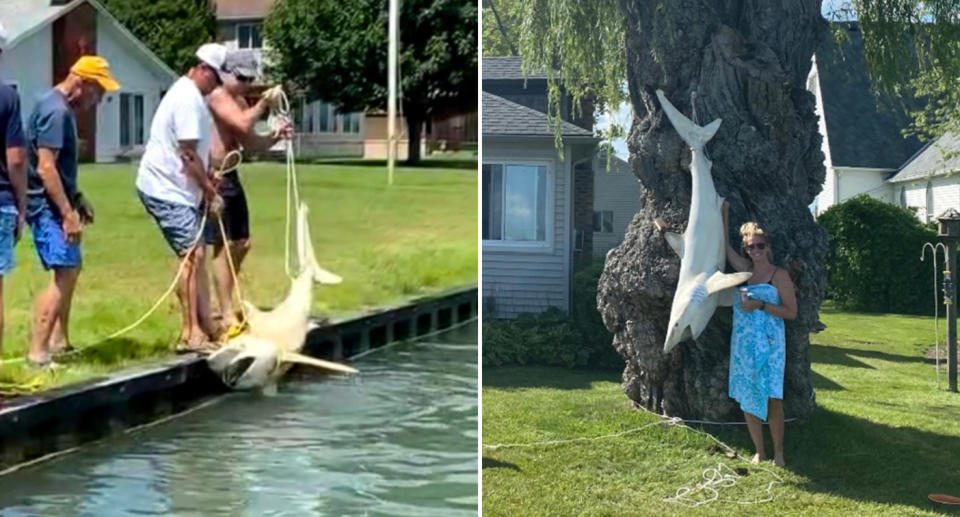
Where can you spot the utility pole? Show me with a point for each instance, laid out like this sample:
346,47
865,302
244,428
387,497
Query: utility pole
394,24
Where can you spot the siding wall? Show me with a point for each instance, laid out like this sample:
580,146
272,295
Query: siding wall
20,65
946,194
521,281
618,191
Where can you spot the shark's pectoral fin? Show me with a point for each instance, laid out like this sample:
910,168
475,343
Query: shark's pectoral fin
720,281
293,357
322,276
219,360
675,240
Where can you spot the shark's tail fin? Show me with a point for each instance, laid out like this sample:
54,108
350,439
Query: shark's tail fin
305,250
293,357
695,136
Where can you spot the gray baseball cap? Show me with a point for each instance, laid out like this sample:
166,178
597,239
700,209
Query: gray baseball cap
241,63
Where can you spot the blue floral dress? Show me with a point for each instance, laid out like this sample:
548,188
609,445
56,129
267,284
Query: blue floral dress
757,353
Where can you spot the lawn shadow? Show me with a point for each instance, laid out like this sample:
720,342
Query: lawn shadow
519,377
841,356
490,463
854,458
822,383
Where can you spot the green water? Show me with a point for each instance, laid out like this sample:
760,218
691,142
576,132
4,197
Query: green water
400,439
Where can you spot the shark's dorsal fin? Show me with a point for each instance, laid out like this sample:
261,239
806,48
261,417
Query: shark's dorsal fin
293,357
695,136
720,281
675,240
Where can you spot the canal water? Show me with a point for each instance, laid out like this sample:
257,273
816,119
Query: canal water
399,439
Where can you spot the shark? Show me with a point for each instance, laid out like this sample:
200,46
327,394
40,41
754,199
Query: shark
271,343
702,284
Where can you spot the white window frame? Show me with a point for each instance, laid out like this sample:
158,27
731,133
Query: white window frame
251,26
549,216
132,119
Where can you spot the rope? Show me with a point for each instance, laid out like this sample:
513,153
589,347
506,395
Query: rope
173,285
282,109
714,478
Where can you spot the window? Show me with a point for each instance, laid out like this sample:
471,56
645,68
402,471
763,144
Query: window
515,203
131,119
248,35
355,126
603,221
324,118
903,197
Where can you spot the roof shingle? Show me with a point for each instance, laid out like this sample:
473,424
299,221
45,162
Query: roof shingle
505,118
498,68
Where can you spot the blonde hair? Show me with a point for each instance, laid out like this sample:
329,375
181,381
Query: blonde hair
752,229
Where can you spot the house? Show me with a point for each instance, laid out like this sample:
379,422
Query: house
47,36
863,143
928,182
536,204
616,199
320,130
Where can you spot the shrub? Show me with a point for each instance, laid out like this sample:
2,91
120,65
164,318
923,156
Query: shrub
873,261
553,338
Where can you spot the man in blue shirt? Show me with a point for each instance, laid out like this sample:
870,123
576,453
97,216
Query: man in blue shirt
13,179
56,210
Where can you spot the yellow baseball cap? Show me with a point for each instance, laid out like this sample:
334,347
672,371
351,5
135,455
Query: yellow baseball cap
95,68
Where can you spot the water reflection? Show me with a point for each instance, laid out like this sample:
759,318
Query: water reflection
398,439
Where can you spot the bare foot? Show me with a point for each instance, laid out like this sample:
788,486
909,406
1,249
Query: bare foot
757,458
779,462
60,347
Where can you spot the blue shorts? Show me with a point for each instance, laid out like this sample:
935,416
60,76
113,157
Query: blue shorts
48,237
180,224
8,224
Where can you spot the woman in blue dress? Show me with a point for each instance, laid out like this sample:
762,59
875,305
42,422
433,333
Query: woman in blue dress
758,344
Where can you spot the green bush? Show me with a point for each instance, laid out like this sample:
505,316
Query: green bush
553,338
873,262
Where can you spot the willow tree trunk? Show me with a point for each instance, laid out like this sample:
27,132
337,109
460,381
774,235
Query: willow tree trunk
748,62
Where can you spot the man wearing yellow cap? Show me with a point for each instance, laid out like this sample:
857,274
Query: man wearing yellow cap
56,210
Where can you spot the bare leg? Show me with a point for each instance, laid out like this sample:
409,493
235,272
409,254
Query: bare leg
60,337
755,426
204,318
190,331
224,278
47,309
775,418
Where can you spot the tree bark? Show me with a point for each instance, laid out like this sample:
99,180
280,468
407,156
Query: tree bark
414,134
748,62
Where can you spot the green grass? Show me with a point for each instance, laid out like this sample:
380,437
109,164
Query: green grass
880,440
390,244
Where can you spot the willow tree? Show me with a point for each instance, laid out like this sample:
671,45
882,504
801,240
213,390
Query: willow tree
745,62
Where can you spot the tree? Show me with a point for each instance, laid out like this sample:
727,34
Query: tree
337,51
172,29
501,23
747,63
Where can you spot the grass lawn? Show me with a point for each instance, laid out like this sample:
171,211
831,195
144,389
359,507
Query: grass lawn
881,439
389,244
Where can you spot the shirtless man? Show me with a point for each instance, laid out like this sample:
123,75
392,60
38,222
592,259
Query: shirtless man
234,121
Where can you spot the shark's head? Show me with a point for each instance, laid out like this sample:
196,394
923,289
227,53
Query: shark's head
688,305
247,363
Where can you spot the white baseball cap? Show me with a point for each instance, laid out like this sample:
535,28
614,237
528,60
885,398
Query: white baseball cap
3,37
214,55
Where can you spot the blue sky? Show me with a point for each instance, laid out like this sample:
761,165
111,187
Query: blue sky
622,115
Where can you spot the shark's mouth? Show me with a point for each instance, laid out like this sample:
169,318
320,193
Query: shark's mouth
235,369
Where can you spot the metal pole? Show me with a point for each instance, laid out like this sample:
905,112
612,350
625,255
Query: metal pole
952,316
392,88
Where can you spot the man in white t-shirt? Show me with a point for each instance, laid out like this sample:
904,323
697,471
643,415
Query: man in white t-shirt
174,185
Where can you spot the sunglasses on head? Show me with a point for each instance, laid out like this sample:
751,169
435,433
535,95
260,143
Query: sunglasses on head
757,246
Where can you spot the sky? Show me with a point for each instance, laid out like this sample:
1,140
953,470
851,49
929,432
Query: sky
622,116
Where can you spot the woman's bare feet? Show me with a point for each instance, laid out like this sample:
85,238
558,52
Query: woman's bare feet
757,458
779,461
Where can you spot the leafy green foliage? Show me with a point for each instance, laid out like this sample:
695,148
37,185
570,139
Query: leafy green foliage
501,27
553,338
913,50
872,264
337,50
172,29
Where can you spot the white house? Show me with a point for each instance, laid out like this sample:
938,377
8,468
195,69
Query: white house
527,208
616,199
46,38
929,182
863,143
